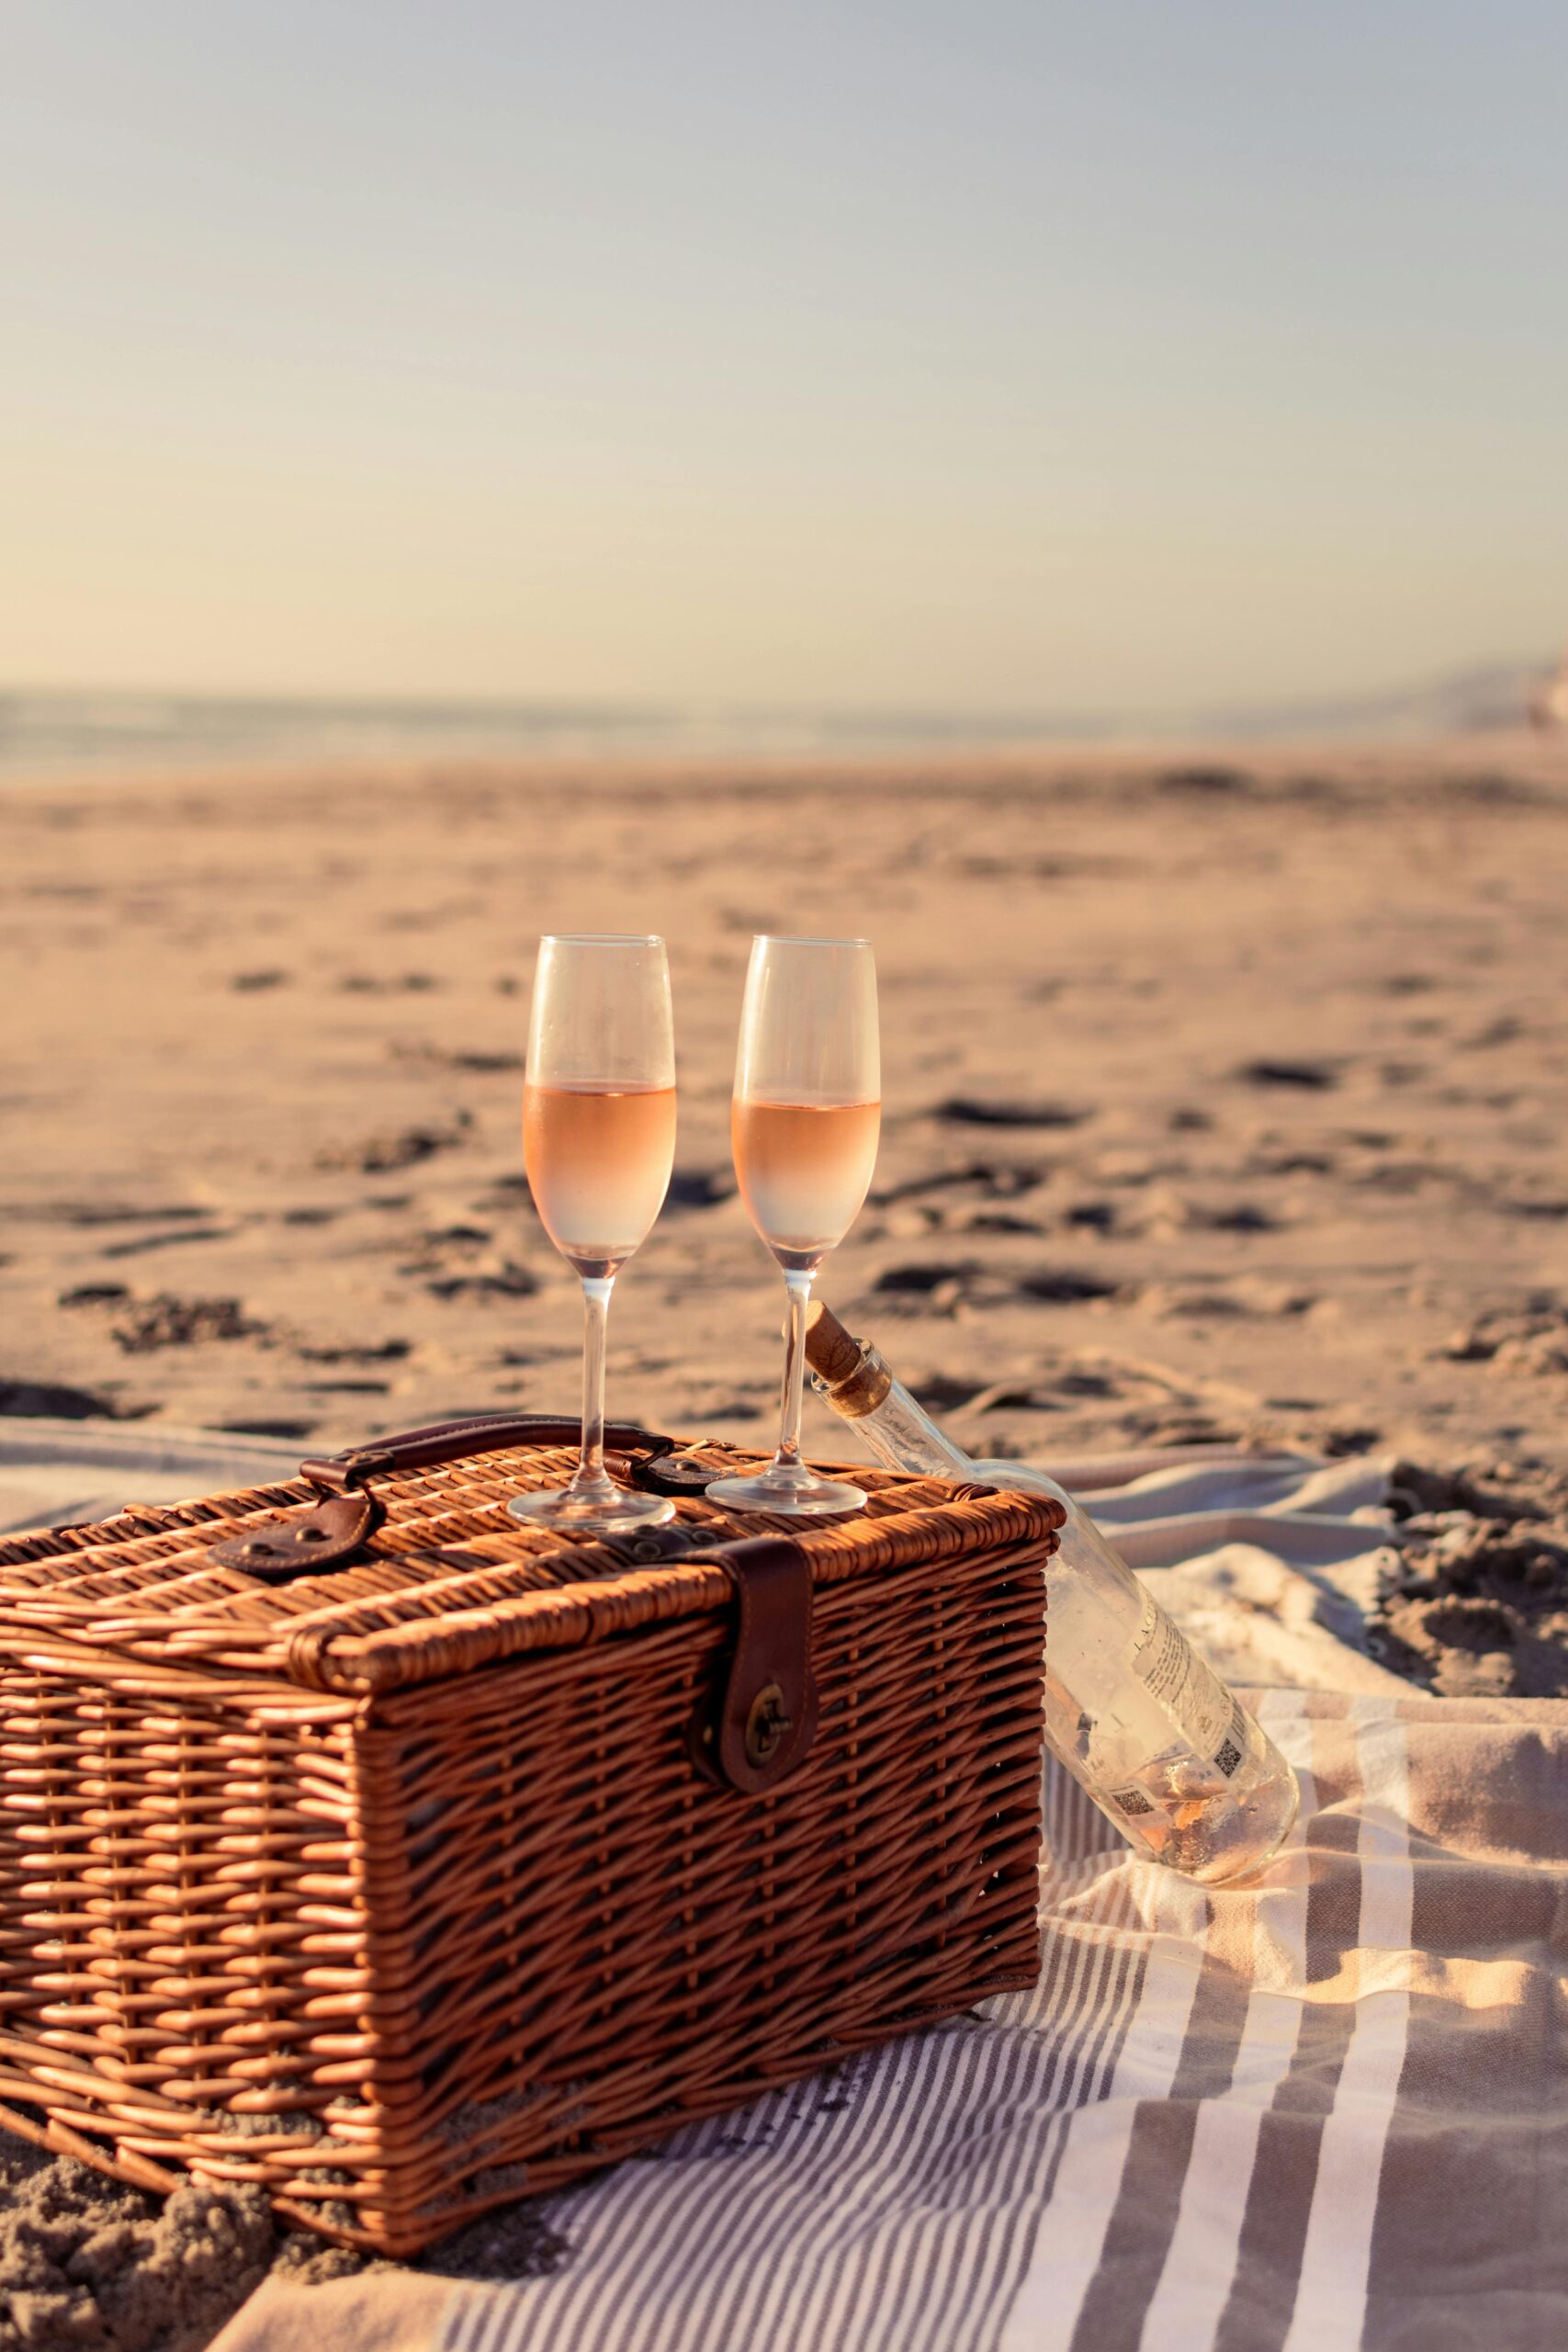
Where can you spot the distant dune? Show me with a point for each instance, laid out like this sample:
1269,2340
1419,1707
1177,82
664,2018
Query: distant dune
1491,695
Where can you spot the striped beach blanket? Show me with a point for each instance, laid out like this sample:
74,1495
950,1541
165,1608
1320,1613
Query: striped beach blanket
1324,2111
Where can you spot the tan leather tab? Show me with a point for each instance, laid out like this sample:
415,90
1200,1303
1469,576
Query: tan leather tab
766,1715
318,1538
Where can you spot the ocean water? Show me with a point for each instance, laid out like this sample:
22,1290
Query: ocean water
109,735
45,735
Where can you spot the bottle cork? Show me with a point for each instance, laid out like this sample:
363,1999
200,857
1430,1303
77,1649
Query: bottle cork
854,1376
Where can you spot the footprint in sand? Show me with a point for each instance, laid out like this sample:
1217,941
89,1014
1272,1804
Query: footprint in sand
940,1393
995,1183
946,1285
367,1351
699,1188
505,1281
481,1065
920,1281
485,1065
461,1261
1503,1030
90,1213
1314,1077
1534,1343
1000,1111
1212,781
1179,1428
1551,1207
1286,1160
1013,1397
1246,1296
144,1325
293,1429
49,1400
985,1220
1089,1383
386,984
1242,1216
182,1234
1475,1601
1063,1286
379,1155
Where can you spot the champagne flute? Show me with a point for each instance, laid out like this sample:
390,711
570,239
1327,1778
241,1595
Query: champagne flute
804,1124
598,1144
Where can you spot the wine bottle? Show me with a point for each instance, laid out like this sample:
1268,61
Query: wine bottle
1147,1730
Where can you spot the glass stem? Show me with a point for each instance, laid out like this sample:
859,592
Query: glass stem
591,1476
798,1286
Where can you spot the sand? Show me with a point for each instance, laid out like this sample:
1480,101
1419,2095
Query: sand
1220,1097
1225,1096
89,2265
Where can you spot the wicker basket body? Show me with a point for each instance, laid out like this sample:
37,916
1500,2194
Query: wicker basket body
396,1886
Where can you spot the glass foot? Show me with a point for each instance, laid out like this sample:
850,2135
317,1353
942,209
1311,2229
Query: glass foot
591,1513
792,1493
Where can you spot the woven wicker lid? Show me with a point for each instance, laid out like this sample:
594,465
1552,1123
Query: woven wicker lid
444,1581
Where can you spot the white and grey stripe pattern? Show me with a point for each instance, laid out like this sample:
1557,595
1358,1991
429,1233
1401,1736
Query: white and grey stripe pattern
1170,2143
1326,2113
880,2206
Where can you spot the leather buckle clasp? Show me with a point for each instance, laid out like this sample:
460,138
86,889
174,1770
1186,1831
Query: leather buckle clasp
760,1728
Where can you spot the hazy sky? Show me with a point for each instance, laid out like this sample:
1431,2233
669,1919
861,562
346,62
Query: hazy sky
949,353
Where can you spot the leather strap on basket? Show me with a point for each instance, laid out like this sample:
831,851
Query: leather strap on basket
334,1528
760,1727
313,1540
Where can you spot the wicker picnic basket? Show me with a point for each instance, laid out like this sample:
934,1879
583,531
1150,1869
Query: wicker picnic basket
358,1840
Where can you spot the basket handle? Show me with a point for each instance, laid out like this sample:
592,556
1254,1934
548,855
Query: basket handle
331,1533
426,1449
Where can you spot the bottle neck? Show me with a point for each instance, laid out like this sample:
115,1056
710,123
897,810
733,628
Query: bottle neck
899,1431
856,1383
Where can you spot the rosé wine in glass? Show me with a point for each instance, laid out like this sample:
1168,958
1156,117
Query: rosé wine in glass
598,1161
803,1170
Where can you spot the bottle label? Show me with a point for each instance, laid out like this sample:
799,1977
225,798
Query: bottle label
1189,1691
1233,1747
1131,1802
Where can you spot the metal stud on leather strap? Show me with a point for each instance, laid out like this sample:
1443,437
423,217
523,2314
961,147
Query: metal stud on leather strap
766,1726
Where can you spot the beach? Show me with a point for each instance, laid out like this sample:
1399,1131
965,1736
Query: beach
1224,1094
1225,1097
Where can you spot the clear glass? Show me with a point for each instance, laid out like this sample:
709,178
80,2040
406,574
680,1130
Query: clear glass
598,1144
1148,1731
803,1123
